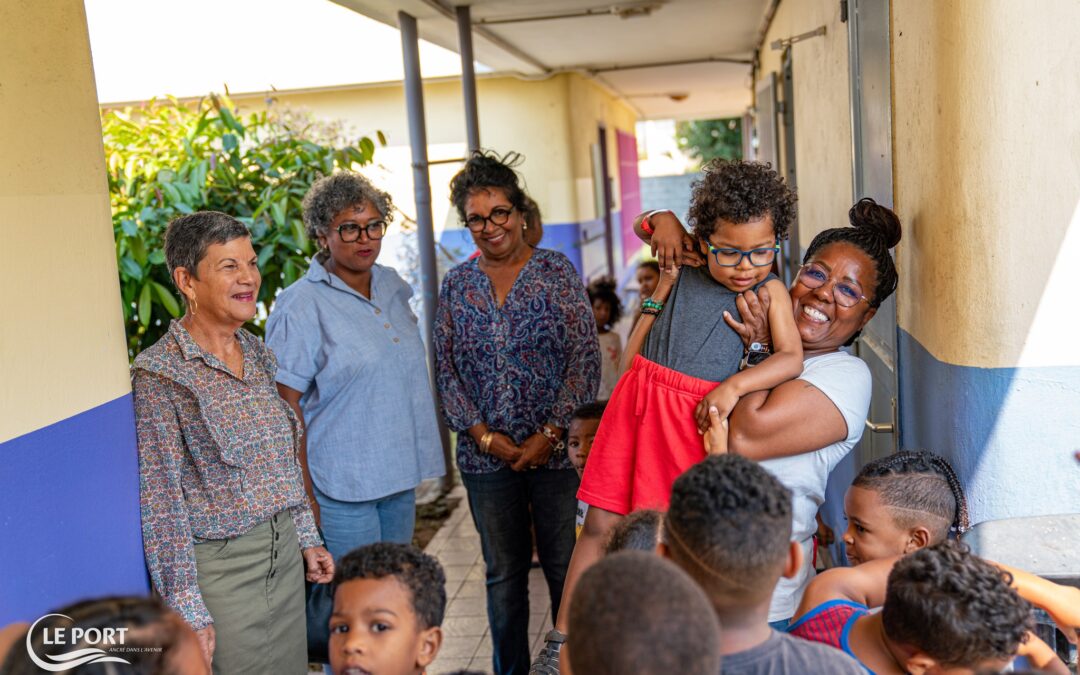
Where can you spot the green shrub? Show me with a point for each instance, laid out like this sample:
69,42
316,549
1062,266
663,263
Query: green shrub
169,158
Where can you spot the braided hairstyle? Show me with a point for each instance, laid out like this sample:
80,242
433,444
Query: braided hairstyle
915,484
874,229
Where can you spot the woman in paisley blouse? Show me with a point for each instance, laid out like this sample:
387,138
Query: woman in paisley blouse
517,352
227,528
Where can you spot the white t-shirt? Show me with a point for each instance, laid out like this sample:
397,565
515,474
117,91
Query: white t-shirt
845,379
610,355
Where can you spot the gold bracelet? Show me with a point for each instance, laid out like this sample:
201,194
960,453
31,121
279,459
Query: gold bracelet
485,441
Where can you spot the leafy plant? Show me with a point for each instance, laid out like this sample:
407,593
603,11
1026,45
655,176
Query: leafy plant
169,158
705,140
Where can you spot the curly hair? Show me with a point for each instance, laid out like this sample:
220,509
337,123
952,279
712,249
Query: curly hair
729,525
486,170
414,569
603,288
638,531
874,229
958,609
738,192
617,622
147,623
330,195
918,484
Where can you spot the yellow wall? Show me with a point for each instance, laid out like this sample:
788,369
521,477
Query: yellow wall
551,122
822,114
62,346
987,176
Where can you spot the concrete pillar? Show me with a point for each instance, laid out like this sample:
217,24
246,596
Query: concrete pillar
69,482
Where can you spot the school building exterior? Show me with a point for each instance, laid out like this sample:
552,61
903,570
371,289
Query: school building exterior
961,114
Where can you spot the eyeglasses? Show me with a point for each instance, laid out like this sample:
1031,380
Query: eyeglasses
350,232
499,216
844,294
733,257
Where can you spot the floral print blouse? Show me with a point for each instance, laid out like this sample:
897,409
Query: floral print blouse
516,367
217,456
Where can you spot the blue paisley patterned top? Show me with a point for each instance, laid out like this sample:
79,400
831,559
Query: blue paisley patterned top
519,366
217,456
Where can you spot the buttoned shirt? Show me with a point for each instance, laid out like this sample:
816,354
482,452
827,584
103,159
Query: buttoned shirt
362,370
217,456
532,361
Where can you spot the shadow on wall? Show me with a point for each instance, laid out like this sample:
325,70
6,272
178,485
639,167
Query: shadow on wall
1010,433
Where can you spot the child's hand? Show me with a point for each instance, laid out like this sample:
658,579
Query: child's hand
723,398
716,436
672,245
668,277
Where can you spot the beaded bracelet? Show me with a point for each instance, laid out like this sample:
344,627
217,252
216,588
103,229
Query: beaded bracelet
650,311
649,303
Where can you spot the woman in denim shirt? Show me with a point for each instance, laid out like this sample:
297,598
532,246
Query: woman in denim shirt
352,364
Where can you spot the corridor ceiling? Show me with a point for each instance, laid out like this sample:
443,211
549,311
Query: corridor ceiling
669,59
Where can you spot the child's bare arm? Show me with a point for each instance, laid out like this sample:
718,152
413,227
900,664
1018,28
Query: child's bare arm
671,244
1041,656
668,277
1062,603
786,362
863,583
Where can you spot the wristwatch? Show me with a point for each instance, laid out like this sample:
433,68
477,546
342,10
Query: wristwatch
755,354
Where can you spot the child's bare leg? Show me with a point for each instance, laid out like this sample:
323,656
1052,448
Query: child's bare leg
589,549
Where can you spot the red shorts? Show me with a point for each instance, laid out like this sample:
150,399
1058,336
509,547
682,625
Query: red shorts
647,438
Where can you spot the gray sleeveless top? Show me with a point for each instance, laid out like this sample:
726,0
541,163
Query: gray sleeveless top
690,336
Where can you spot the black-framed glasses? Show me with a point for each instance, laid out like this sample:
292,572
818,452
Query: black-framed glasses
500,215
733,257
845,294
350,232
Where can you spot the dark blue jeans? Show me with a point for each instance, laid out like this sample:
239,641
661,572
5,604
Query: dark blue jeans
500,504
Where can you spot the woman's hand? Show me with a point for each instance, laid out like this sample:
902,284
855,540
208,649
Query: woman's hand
668,277
319,564
536,451
754,309
672,245
208,641
504,448
723,398
716,436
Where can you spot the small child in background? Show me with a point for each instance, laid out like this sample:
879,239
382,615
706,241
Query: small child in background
639,531
608,309
579,438
636,613
943,609
389,601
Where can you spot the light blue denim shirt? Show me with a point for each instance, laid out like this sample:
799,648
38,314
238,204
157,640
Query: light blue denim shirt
367,401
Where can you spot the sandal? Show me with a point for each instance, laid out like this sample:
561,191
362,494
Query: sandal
547,661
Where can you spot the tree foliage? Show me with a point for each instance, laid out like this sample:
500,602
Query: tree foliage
168,158
705,140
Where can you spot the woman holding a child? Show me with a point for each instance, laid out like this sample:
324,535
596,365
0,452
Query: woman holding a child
517,353
802,428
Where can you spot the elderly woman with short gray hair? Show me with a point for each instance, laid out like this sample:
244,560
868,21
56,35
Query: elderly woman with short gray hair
227,529
353,367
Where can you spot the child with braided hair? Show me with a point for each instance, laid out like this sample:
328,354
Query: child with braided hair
901,503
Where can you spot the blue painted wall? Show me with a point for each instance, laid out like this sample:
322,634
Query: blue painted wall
1009,432
69,513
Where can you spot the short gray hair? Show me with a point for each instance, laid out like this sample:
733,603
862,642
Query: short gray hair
330,195
188,237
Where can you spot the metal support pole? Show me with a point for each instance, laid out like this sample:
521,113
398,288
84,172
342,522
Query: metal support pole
425,228
468,77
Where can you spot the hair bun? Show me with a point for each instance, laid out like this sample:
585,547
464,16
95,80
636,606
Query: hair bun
870,216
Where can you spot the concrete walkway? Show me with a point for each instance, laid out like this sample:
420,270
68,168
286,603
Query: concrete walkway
466,639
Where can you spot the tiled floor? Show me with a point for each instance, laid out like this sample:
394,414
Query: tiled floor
466,640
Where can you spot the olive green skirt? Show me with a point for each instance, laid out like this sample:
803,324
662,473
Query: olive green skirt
253,586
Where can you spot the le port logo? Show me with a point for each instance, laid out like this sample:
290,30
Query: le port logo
69,647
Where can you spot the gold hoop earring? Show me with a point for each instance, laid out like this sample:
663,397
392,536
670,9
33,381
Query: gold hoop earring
194,305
